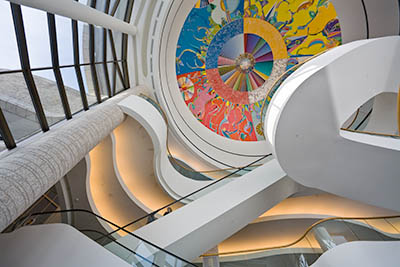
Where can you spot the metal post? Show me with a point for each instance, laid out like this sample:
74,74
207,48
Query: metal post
26,68
114,9
5,132
124,57
128,15
114,85
75,40
56,65
106,76
95,79
323,238
114,53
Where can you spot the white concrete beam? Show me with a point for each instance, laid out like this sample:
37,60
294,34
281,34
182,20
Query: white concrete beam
209,220
81,12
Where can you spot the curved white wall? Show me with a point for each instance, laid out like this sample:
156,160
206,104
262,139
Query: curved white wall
361,253
174,183
106,196
308,110
378,19
134,166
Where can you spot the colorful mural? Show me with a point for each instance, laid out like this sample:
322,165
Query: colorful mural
230,52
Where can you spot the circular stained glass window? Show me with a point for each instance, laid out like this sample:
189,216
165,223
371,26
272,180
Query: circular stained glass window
230,52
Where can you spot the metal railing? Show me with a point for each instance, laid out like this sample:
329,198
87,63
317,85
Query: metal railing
26,70
151,216
309,231
375,133
155,260
398,111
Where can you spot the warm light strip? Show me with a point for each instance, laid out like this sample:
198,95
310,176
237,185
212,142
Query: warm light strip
398,111
302,237
174,159
371,133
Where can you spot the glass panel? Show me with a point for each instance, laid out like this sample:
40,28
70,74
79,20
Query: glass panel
37,37
72,89
101,5
64,40
83,32
112,3
109,48
102,80
120,13
49,95
118,44
181,166
17,106
88,82
112,74
98,43
134,250
85,2
395,223
2,144
8,46
119,84
336,231
360,118
371,226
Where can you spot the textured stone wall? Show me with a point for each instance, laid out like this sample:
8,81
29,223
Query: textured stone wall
30,171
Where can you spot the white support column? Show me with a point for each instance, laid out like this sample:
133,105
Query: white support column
31,169
211,261
81,12
323,238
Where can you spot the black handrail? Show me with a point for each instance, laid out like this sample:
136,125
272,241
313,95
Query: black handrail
118,243
365,118
188,195
107,235
119,228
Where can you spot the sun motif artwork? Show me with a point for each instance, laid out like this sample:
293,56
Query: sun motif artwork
230,52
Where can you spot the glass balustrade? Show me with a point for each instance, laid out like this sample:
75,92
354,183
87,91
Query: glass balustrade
320,237
137,252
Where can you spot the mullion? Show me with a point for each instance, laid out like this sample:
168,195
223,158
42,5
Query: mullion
95,79
5,132
25,65
114,53
129,9
56,65
10,71
124,48
92,59
106,76
61,67
124,60
26,69
115,7
75,41
114,79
